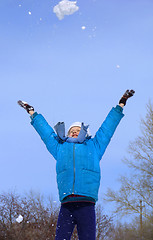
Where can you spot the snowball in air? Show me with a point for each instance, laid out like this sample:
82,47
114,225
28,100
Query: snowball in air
118,66
83,27
29,13
19,219
65,7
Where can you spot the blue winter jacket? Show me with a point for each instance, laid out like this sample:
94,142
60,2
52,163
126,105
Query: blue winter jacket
78,165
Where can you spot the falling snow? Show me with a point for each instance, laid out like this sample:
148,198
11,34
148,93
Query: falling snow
19,219
65,7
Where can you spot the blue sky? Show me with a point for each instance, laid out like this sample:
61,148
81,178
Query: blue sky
70,74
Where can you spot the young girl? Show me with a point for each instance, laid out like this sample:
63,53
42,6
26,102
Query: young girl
78,158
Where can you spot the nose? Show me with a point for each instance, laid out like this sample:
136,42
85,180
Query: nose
74,132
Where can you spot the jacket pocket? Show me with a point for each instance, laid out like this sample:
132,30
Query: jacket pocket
90,182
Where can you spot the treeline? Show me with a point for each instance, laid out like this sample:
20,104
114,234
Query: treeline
32,217
38,219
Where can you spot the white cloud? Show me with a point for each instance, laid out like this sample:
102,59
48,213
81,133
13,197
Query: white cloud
19,219
65,7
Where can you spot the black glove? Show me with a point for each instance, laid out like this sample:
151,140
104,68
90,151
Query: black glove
26,106
126,95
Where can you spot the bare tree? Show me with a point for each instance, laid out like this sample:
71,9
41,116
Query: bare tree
39,218
103,224
130,231
9,208
136,192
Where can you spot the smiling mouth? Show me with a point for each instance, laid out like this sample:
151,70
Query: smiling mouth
75,135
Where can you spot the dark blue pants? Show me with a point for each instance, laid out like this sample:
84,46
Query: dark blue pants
80,214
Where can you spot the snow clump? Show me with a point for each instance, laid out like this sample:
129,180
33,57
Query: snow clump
19,219
65,7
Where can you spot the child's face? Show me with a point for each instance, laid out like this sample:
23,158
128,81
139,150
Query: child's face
74,132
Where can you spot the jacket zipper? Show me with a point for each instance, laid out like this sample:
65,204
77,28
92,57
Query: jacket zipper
73,167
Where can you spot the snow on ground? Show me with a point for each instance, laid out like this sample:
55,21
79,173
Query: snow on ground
65,7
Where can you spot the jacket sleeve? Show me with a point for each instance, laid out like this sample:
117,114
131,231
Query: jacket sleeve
107,129
46,133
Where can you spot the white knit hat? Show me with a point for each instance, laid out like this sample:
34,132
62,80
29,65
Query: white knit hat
78,124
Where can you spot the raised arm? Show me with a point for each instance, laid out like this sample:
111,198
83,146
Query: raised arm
44,130
108,127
